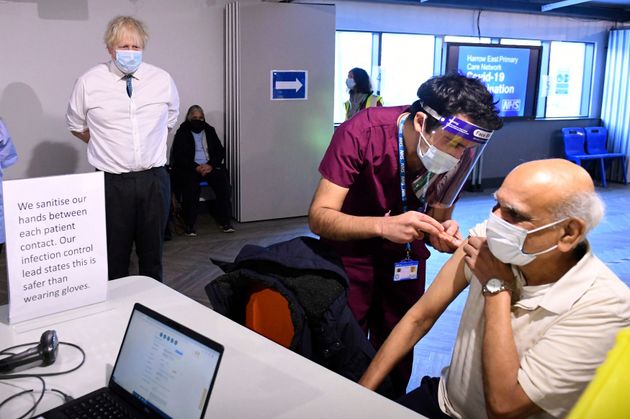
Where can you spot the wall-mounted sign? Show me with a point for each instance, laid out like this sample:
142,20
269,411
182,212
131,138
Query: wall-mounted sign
289,85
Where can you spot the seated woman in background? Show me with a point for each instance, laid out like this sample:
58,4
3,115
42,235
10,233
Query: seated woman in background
361,93
197,155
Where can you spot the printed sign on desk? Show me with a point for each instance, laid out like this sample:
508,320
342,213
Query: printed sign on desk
56,243
289,85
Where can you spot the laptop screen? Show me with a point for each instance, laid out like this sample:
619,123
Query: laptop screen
167,367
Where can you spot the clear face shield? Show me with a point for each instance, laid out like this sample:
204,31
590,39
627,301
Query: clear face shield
448,156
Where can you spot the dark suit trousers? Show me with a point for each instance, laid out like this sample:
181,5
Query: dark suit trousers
136,210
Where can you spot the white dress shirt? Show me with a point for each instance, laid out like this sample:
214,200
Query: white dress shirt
127,134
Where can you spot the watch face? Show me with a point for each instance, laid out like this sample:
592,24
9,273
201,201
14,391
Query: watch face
494,285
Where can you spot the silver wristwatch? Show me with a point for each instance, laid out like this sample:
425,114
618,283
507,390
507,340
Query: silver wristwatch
495,286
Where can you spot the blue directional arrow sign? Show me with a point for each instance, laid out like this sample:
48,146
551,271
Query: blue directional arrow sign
289,84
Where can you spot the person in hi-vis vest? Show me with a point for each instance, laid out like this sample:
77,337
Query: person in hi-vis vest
361,94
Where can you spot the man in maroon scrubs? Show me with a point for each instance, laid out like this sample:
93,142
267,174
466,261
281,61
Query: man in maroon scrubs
390,177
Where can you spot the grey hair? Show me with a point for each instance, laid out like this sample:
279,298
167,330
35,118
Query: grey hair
121,24
194,108
586,206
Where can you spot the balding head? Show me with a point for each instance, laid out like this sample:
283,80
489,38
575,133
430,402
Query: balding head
555,189
560,176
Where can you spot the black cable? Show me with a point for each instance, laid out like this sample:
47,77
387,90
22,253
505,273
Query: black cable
39,377
41,396
2,352
48,374
66,397
478,24
8,399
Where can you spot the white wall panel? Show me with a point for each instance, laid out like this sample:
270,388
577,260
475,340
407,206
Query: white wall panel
281,142
47,44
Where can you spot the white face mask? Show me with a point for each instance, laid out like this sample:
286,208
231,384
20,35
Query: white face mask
435,160
350,83
506,240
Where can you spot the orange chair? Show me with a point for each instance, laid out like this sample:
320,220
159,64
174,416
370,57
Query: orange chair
267,313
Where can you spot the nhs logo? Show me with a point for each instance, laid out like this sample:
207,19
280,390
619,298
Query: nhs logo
510,105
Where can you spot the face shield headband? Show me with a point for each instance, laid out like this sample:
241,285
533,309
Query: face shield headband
441,190
459,127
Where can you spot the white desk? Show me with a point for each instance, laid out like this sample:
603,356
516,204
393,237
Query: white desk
257,378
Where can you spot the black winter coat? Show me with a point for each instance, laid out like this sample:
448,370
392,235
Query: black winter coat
183,149
315,285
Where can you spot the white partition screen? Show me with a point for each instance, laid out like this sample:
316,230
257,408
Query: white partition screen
274,146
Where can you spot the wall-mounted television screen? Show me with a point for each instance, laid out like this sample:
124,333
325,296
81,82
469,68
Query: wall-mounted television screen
509,71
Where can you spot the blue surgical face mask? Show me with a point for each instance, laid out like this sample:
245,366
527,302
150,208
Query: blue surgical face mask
128,60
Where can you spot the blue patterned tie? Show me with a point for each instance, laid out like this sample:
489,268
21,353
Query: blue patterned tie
128,77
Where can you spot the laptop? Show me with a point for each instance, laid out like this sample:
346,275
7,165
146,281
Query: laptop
163,370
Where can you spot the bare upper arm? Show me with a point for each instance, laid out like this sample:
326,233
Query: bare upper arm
448,284
328,195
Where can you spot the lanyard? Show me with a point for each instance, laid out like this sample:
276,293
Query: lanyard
403,180
401,161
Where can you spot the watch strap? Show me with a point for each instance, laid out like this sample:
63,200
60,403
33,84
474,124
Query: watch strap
503,286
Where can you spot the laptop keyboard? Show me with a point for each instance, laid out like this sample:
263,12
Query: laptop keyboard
101,406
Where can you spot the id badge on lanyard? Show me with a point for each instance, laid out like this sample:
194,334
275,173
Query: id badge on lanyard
406,269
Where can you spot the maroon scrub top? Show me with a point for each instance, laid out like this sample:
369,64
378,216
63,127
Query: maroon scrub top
363,156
